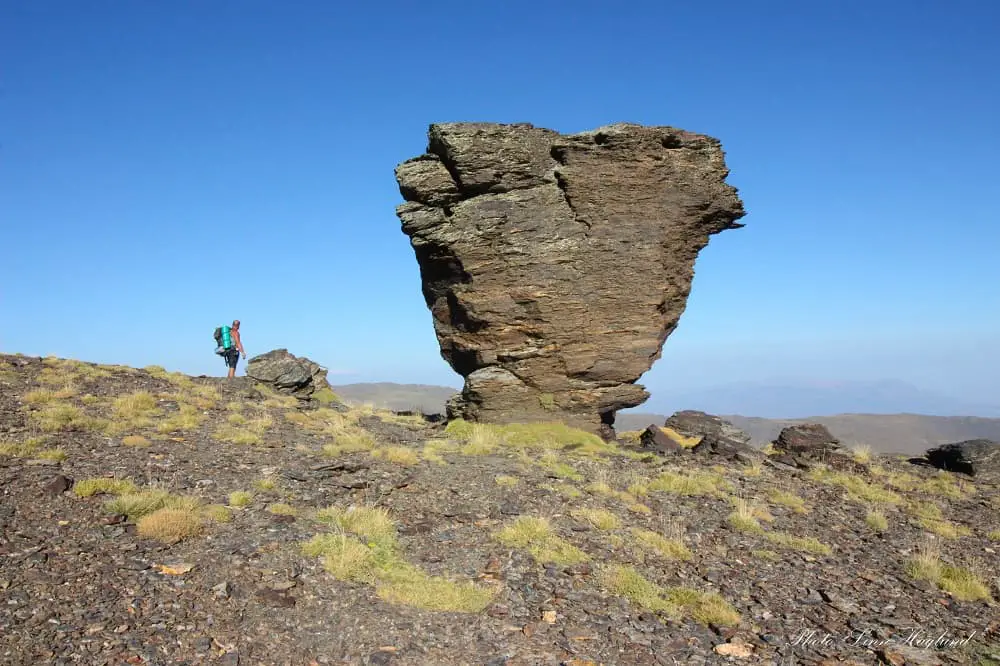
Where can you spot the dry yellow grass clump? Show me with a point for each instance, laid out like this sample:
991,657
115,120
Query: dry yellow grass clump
282,509
399,455
164,516
857,488
560,469
266,484
45,396
55,416
806,544
434,448
689,482
484,439
132,405
861,453
31,448
602,519
349,440
682,440
240,498
186,418
930,517
218,513
236,435
565,490
745,516
505,480
789,499
169,525
670,549
876,519
481,440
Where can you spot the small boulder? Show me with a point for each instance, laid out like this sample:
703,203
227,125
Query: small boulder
976,457
654,439
287,373
715,435
807,439
726,448
692,423
57,485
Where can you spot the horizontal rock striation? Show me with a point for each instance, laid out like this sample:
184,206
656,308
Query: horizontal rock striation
555,266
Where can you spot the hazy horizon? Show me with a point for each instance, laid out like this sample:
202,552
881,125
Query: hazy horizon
167,169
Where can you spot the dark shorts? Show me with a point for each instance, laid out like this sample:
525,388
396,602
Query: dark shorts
232,356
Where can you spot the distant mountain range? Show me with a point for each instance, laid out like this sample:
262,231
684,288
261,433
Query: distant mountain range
909,434
804,399
893,431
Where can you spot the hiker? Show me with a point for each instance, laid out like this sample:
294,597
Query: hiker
230,346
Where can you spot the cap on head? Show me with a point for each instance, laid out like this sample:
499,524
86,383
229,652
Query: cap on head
236,323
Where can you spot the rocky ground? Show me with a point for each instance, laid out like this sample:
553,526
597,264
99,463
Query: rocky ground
153,518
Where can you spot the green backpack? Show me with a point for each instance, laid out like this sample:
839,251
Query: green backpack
223,340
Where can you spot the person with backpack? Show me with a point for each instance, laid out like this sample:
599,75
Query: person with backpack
229,346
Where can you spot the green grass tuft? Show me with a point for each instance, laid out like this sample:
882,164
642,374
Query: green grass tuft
234,435
349,442
791,500
857,488
876,520
602,519
806,544
139,503
57,416
89,487
186,418
690,483
399,455
537,537
626,581
505,480
670,549
325,396
240,498
372,556
559,469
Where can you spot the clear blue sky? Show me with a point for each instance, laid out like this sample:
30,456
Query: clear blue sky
166,167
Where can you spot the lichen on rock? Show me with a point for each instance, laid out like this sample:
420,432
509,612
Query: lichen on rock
555,266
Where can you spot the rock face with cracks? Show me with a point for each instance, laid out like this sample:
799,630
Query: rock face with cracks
555,266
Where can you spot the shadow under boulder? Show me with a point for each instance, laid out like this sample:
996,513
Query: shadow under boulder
976,457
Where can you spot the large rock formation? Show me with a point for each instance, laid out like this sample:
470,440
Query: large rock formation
555,266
